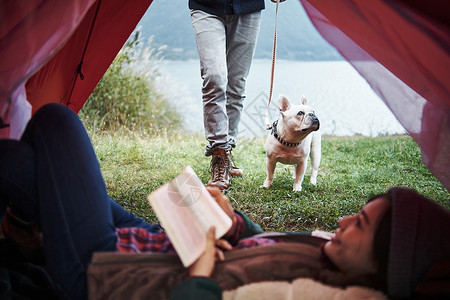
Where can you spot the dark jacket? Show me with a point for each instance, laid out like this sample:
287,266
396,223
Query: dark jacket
206,288
227,7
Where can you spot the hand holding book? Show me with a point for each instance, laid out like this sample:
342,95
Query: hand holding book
223,202
204,265
187,211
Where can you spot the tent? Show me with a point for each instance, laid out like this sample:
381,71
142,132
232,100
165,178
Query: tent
57,51
402,49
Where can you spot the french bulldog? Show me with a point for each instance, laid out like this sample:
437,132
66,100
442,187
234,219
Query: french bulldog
294,137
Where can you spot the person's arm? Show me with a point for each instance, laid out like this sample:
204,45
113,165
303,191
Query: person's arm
242,226
199,286
250,228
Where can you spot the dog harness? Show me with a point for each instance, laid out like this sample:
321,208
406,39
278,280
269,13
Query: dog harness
283,142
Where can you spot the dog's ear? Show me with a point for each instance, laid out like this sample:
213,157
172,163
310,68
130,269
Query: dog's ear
303,100
283,103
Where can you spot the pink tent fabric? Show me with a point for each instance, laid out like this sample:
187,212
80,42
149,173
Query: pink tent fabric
402,49
30,33
57,51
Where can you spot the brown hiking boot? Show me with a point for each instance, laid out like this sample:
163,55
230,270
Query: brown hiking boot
220,169
234,171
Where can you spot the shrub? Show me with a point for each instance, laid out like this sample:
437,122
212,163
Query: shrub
126,97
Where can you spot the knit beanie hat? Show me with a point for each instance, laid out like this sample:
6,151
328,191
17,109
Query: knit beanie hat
420,237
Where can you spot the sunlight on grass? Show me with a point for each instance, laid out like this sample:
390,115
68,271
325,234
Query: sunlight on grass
352,170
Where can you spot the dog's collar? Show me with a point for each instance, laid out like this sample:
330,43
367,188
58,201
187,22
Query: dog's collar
275,135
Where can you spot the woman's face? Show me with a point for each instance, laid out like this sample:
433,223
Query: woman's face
351,249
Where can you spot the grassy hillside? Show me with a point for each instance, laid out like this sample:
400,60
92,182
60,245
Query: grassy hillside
352,169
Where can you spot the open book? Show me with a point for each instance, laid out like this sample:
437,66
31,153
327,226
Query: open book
186,211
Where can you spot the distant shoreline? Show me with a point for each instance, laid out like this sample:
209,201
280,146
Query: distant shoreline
342,99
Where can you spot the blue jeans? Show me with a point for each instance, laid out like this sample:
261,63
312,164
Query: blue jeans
52,177
225,45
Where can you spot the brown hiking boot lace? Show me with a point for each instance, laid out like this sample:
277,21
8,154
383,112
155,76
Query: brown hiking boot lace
220,168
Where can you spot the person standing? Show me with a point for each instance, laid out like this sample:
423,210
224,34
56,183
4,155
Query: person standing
226,32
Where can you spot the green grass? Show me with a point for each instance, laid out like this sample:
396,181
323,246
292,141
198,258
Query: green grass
352,169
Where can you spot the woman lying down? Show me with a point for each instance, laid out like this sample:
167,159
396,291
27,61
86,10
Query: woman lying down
397,244
51,178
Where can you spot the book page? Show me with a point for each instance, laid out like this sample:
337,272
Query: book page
186,211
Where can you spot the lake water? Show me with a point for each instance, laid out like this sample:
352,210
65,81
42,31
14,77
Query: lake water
343,101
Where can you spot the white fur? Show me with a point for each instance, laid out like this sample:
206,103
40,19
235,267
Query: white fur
294,128
302,288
